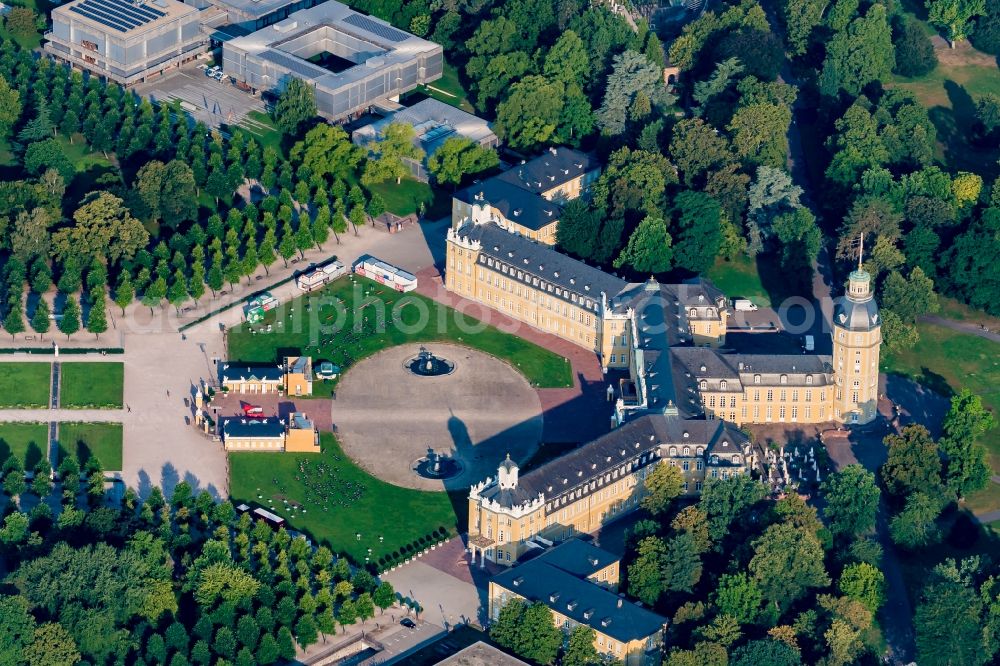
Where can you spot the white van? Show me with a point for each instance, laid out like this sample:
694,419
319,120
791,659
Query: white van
743,305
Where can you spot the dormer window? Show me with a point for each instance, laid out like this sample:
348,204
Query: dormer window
704,385
756,379
723,384
783,379
809,380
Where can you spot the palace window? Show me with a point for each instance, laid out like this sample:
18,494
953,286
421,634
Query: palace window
809,380
770,395
783,395
701,465
722,385
711,401
795,396
732,402
686,466
783,379
704,385
687,450
795,413
781,413
756,379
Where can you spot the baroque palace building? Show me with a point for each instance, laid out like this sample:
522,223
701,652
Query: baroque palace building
681,387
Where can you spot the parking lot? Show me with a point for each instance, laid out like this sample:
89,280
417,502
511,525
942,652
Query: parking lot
214,102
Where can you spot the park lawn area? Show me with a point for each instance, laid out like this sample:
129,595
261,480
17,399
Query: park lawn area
296,329
356,501
739,278
262,127
949,93
953,309
27,441
944,359
83,440
448,89
81,155
25,385
405,198
90,385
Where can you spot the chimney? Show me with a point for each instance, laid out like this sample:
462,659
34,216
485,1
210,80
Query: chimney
554,151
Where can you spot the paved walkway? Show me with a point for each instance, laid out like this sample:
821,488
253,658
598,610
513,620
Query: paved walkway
962,327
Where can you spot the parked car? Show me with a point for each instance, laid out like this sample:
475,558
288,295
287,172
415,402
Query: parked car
212,70
744,305
408,623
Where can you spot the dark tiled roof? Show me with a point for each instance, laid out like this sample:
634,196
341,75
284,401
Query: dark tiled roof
777,364
578,557
234,372
551,169
581,600
856,315
537,260
236,427
517,205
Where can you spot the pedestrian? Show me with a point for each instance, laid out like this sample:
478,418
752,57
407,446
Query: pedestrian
168,393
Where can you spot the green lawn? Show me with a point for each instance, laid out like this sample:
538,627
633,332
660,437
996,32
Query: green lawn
355,501
406,197
309,326
952,309
91,385
25,385
947,360
27,441
261,127
83,440
739,278
448,89
950,92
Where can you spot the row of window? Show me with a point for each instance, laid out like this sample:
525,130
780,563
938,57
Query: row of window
542,285
769,396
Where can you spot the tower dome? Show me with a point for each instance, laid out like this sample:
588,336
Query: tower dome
856,310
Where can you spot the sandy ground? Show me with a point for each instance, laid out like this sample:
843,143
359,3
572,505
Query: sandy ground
387,418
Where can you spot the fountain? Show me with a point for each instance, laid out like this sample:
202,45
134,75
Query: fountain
426,364
437,465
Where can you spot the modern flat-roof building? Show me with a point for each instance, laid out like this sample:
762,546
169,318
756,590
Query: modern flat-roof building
253,15
527,199
573,581
125,41
434,123
349,59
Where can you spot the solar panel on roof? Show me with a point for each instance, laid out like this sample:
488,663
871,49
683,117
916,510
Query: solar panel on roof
123,10
109,14
376,28
102,21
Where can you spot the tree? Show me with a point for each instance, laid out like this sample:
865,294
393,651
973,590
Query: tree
914,50
662,486
247,631
859,55
52,645
852,501
48,154
759,51
800,239
30,236
306,632
286,644
699,230
103,228
580,650
693,521
645,573
697,148
538,638
681,565
457,157
296,106
966,469
70,322
531,113
22,21
728,501
913,464
38,128
915,526
648,249
10,106
801,17
13,321
17,628
632,75
397,143
346,614
124,292
787,562
364,606
910,297
326,151
40,322
384,595
224,643
864,583
97,318
947,624
759,133
955,16
765,652
267,651
739,596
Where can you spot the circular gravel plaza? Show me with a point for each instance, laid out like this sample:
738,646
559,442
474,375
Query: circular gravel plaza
388,419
